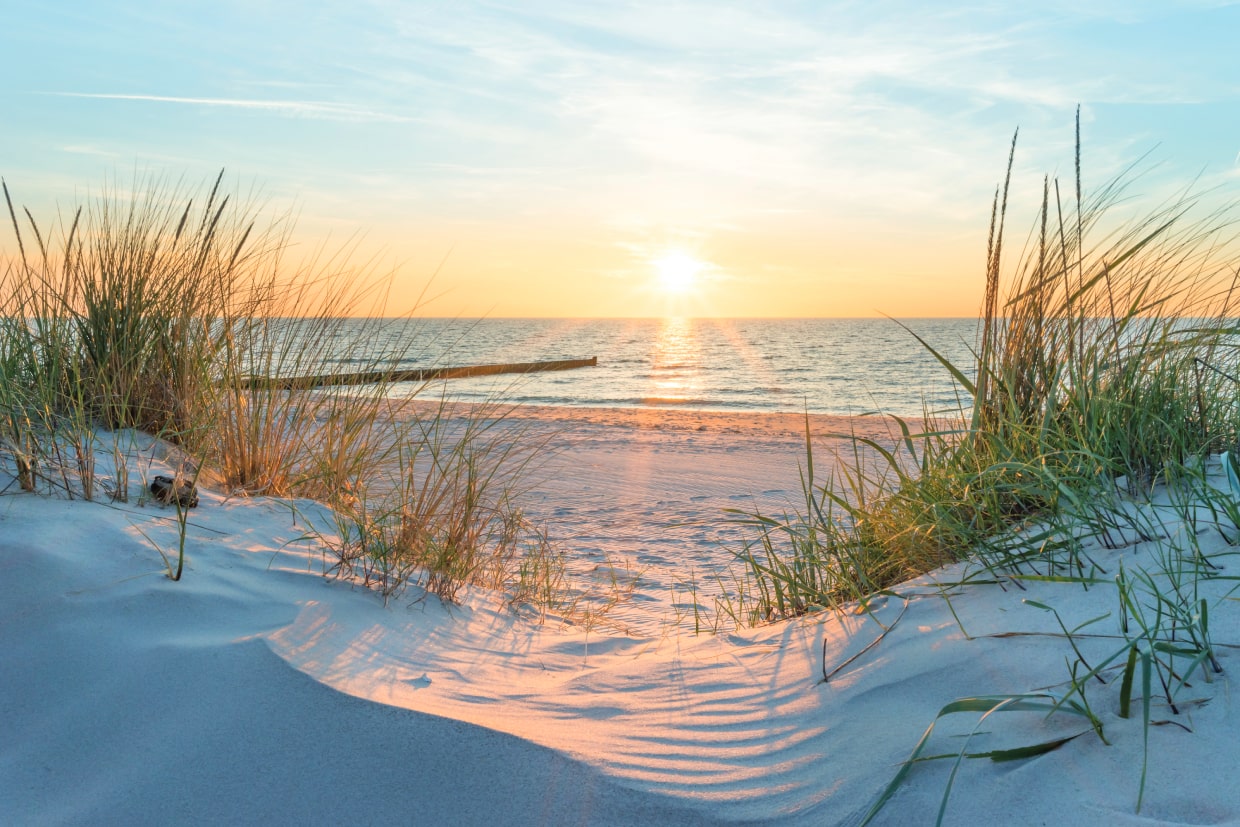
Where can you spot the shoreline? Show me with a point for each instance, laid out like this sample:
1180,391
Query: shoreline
744,423
657,498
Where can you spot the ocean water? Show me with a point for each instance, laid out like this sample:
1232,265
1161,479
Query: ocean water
832,366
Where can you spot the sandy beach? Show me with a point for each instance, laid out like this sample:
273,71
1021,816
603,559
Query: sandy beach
257,690
642,492
405,415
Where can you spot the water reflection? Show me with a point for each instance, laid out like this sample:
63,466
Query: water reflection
676,364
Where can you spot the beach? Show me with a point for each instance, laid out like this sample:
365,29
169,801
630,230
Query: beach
257,689
652,494
823,414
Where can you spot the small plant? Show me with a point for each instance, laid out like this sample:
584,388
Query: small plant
988,705
438,512
1163,629
182,523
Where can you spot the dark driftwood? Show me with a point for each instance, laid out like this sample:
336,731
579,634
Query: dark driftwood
325,379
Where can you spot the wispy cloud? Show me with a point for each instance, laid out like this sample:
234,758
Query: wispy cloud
325,110
84,149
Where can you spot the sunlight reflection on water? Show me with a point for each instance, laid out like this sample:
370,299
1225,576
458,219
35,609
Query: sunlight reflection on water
675,374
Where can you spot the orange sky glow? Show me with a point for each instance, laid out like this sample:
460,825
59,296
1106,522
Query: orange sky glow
549,159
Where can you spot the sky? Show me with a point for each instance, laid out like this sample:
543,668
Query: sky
628,159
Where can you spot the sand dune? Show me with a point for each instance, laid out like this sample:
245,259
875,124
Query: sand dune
256,690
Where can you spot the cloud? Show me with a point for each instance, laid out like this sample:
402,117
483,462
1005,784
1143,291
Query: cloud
84,149
322,110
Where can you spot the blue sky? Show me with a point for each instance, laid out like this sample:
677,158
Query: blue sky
813,158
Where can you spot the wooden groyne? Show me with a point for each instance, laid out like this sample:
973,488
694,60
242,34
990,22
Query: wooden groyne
289,383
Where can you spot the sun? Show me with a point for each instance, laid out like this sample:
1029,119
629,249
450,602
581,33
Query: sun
677,271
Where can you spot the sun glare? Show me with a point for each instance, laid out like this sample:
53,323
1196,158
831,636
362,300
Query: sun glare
677,271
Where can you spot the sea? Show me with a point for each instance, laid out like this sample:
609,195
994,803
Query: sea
828,366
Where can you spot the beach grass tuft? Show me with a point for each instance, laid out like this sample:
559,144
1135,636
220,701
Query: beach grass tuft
161,308
1109,359
1105,380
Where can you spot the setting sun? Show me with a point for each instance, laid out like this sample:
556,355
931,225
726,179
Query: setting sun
677,271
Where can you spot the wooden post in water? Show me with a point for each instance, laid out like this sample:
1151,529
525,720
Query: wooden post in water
289,383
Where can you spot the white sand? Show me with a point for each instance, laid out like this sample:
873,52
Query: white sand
254,690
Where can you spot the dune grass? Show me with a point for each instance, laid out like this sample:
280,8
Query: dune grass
445,513
1105,378
152,307
1109,359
